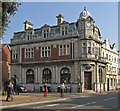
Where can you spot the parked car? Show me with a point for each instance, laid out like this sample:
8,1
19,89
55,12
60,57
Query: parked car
20,89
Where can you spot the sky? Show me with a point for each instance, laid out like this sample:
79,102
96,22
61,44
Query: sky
105,15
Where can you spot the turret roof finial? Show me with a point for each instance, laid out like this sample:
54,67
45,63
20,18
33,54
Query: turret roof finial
85,8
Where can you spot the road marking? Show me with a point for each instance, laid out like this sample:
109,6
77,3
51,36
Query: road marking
52,105
83,105
80,97
109,98
45,106
25,104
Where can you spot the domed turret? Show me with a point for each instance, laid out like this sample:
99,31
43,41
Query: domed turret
84,14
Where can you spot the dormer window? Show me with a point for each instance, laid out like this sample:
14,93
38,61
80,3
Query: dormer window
46,33
29,35
64,31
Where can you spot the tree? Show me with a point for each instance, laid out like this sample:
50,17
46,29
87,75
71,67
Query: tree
7,9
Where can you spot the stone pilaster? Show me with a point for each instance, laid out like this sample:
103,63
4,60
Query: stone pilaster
40,75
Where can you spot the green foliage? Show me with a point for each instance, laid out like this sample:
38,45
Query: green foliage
8,9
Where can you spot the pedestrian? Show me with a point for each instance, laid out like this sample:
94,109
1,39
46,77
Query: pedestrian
45,90
8,92
62,88
12,90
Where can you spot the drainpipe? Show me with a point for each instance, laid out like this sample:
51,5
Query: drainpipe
72,48
96,76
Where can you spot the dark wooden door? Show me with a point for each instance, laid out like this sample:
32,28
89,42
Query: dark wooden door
87,80
107,84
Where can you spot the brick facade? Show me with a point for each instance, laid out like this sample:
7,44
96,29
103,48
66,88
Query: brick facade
6,60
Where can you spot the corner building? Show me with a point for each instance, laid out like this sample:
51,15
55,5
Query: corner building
66,52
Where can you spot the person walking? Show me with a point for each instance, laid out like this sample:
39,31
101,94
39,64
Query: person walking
8,92
12,90
45,90
62,88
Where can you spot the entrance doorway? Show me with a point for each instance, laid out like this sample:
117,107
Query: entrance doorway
107,84
87,80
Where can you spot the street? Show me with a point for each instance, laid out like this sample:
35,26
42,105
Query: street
107,101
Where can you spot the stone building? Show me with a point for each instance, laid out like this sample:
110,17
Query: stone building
110,53
118,69
66,52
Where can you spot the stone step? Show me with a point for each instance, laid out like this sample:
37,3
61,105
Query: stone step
89,91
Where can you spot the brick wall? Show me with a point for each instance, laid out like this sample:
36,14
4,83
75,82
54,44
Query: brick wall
6,59
54,54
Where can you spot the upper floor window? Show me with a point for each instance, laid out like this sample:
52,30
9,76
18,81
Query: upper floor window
89,48
112,58
92,48
29,52
115,59
96,51
107,56
64,31
84,48
64,50
45,51
46,33
103,54
14,54
107,67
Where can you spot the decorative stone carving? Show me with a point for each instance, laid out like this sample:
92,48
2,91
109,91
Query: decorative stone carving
87,66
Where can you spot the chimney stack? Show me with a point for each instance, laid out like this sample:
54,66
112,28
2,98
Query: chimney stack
28,25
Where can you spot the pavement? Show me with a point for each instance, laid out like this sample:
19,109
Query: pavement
25,98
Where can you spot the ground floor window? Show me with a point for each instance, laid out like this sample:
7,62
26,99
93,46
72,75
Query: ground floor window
46,75
65,76
30,76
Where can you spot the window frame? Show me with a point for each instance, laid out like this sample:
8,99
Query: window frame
84,49
29,53
31,76
46,51
64,31
14,55
64,49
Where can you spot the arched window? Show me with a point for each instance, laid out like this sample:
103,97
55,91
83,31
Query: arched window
65,76
30,76
46,75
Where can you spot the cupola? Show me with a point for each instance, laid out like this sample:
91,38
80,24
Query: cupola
84,14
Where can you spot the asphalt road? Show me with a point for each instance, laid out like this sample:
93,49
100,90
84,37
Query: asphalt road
107,101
